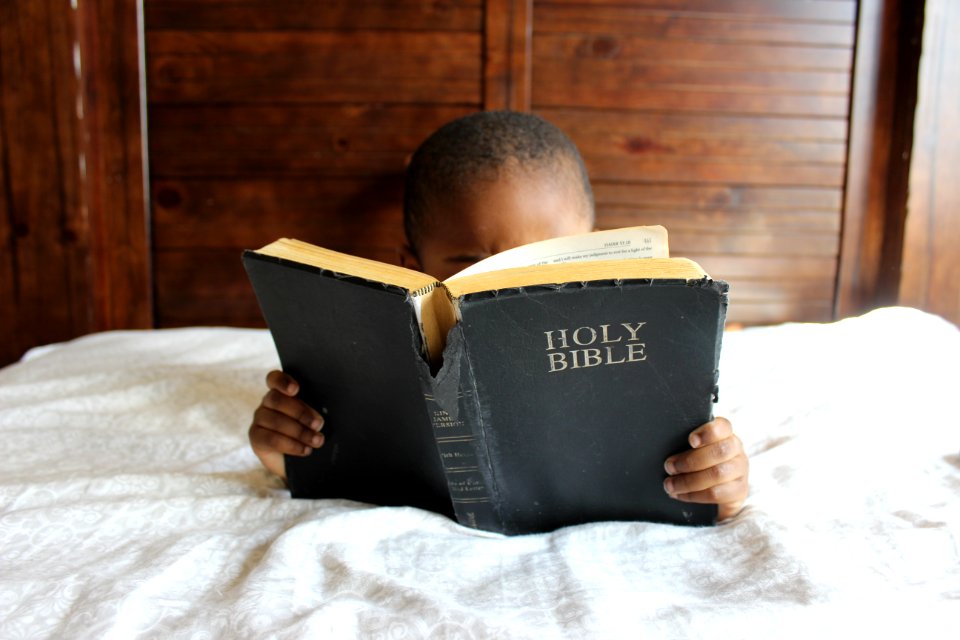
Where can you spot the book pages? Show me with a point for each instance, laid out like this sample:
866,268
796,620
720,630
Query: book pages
614,244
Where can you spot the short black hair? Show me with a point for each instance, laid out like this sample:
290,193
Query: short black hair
478,147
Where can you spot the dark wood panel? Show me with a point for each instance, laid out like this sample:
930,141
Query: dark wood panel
811,10
627,146
203,288
109,52
765,313
729,171
326,67
624,124
507,57
209,287
736,267
289,140
931,268
606,74
717,197
611,94
646,21
269,15
750,242
721,220
744,290
720,55
44,276
358,216
881,113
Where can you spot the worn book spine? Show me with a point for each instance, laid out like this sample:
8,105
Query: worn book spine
454,413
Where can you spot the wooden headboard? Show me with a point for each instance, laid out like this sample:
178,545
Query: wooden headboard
728,124
760,133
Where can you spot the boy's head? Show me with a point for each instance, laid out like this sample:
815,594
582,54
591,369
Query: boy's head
488,182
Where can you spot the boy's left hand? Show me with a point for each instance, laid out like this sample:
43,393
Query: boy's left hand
714,471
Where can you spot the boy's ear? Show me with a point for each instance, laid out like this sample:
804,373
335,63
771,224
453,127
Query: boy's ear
409,259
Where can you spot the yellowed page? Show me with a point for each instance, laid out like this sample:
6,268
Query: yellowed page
613,244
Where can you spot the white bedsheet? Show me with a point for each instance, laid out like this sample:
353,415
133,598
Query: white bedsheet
131,506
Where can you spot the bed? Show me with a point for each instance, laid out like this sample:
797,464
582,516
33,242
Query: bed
131,506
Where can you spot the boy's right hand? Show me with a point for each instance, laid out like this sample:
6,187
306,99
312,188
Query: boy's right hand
283,424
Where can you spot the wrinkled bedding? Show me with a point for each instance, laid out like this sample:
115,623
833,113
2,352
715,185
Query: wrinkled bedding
131,506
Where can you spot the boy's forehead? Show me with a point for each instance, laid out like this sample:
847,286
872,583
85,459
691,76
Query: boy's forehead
514,207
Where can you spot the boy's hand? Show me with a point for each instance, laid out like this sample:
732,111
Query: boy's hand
283,424
714,471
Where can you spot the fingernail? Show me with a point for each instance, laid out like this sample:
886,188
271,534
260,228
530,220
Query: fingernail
668,485
317,440
317,424
670,467
695,440
307,451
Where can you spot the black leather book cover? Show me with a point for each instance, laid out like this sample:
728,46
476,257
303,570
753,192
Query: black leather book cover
354,347
582,391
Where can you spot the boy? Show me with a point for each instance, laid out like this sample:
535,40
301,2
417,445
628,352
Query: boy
480,185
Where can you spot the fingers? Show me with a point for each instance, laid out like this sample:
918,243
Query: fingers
713,431
275,431
715,471
293,408
283,423
282,382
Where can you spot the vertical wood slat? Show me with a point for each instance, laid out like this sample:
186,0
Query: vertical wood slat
43,236
114,185
881,114
931,263
507,56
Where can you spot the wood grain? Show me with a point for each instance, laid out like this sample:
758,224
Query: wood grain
931,262
273,15
652,20
318,66
289,140
506,54
44,238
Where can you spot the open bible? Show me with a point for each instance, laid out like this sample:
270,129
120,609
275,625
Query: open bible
541,387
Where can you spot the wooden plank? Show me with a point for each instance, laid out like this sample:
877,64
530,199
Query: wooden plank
931,262
751,242
768,313
335,46
643,22
270,67
114,168
734,171
44,275
819,11
345,214
606,75
290,140
881,114
734,267
608,95
203,288
506,54
735,55
722,220
324,67
717,197
749,290
209,287
340,15
624,124
626,146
